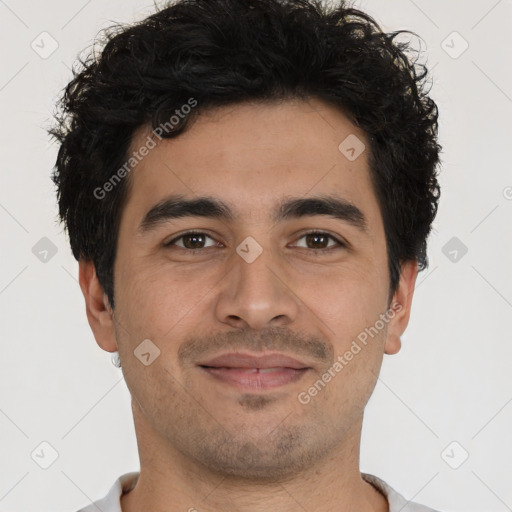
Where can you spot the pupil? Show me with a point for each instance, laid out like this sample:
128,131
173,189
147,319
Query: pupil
195,243
316,238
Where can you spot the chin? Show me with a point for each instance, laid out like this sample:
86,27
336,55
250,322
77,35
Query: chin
280,456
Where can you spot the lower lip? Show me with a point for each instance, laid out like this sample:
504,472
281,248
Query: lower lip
256,380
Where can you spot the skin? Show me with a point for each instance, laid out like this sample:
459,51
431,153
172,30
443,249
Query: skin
205,444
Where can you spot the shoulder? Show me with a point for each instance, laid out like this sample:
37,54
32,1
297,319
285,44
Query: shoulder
111,502
396,501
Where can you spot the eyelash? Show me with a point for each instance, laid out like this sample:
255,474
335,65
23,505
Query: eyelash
312,232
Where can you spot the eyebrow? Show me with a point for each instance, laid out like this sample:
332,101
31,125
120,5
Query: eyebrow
177,206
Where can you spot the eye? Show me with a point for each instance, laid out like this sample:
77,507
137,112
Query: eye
192,240
319,239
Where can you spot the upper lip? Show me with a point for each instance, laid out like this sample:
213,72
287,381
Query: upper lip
241,360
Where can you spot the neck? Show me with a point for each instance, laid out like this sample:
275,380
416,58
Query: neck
171,482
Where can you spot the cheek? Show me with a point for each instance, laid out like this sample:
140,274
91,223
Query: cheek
350,300
351,305
155,299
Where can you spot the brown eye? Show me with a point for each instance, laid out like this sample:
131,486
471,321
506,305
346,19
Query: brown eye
192,240
319,241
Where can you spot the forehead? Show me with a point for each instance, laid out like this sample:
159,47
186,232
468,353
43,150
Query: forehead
252,155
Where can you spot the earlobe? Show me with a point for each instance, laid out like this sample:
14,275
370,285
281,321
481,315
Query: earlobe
400,309
98,310
393,344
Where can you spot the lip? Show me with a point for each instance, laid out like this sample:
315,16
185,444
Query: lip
243,360
255,373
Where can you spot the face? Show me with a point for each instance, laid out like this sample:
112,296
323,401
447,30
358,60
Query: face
257,363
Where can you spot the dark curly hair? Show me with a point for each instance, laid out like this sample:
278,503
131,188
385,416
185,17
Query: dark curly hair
223,52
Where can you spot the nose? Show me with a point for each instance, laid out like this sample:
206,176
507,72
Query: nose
257,294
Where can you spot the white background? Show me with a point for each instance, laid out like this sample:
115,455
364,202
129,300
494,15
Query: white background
450,382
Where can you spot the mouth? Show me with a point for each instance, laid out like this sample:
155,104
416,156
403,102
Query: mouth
255,373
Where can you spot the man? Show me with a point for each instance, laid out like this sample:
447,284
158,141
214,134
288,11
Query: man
248,187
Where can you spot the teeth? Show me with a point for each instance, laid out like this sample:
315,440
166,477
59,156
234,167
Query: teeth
268,370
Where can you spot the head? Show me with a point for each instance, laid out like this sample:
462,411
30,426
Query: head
299,143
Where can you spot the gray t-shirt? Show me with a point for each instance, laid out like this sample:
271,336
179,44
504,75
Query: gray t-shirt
125,483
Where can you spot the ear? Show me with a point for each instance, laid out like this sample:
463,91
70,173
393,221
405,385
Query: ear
400,307
99,312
